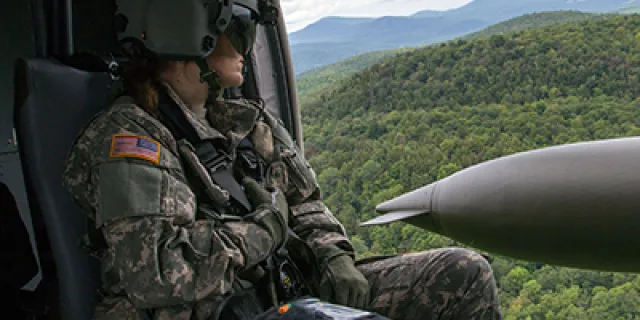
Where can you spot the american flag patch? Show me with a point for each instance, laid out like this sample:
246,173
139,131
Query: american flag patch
132,146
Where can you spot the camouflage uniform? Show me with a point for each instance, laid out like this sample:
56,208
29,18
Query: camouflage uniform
163,254
448,283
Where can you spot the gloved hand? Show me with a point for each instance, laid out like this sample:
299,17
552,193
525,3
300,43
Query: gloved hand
270,209
259,196
342,283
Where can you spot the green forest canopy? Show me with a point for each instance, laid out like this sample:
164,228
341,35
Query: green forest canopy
314,81
424,114
534,20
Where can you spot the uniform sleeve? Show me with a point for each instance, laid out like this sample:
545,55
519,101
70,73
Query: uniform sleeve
316,224
311,219
158,253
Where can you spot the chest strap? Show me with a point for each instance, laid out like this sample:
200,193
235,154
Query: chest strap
285,281
214,159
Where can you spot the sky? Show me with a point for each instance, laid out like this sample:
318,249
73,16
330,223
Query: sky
300,13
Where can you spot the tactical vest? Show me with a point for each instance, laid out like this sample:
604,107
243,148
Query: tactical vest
281,277
292,297
287,278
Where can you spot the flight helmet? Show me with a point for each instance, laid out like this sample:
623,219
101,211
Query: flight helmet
187,29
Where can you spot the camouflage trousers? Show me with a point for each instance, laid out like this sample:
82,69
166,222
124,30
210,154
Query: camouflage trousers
449,283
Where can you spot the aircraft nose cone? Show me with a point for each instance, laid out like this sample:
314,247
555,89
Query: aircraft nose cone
417,200
574,205
413,207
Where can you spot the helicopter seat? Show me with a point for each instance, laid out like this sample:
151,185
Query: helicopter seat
53,102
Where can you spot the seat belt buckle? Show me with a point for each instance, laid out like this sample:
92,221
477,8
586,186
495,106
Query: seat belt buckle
212,158
222,161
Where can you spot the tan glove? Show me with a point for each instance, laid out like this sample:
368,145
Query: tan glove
342,283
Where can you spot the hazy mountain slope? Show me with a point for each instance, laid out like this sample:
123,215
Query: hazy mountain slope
316,80
534,20
630,10
377,34
506,9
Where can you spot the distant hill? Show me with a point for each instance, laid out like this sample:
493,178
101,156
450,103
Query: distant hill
630,10
314,81
325,30
506,9
336,38
309,50
533,20
578,59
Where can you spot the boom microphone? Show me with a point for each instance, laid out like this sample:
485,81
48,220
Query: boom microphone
575,205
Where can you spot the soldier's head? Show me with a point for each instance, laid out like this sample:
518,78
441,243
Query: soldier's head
197,46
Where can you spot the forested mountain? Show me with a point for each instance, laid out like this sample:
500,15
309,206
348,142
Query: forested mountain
424,114
333,39
633,7
534,20
374,35
507,9
314,81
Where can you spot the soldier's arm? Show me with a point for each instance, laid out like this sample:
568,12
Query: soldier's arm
158,254
166,258
311,219
314,222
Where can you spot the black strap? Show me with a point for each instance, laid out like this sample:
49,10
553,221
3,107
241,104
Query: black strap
249,162
219,165
216,160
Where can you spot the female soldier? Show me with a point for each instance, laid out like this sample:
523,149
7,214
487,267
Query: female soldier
177,240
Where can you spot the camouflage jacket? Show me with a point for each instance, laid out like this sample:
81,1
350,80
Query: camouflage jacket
126,171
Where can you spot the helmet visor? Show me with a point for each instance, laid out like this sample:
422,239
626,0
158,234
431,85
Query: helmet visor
242,29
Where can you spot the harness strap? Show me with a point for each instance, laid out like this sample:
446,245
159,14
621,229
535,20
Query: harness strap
217,162
285,280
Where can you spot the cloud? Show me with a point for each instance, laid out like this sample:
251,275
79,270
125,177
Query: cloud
296,11
299,13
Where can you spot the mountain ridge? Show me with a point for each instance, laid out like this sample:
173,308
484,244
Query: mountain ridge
336,38
312,82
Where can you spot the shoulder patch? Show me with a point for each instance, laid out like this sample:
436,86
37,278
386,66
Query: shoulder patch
133,146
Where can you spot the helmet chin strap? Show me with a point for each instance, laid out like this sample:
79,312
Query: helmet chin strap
209,76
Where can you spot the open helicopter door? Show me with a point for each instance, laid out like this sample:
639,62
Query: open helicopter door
57,95
272,77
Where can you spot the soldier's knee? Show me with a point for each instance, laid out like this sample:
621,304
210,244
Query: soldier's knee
471,258
469,265
476,295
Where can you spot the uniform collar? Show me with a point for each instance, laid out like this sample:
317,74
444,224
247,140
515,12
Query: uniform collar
235,118
202,128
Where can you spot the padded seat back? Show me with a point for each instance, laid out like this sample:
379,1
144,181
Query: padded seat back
53,103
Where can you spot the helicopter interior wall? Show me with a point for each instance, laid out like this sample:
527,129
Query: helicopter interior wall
17,267
20,40
92,26
18,37
15,198
265,77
